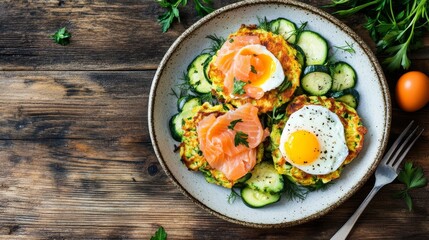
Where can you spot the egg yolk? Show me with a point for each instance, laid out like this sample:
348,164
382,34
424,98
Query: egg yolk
262,67
302,147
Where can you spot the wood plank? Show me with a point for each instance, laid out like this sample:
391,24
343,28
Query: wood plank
74,105
107,35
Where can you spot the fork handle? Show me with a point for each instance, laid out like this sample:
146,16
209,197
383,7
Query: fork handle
344,231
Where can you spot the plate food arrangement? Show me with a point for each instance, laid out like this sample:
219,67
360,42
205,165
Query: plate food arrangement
269,109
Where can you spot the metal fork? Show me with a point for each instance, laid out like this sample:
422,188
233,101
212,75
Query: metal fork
386,172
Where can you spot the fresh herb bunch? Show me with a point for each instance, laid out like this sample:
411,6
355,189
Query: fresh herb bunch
202,7
412,177
62,36
396,27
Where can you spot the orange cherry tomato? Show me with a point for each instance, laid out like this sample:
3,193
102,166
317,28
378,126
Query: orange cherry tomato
412,91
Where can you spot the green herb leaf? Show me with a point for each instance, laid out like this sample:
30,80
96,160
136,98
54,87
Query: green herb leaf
412,177
232,196
253,69
172,11
238,87
397,27
203,7
160,234
217,42
275,116
264,24
241,138
62,36
285,85
294,191
233,123
347,48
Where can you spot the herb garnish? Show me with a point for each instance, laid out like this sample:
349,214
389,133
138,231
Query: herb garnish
253,69
238,87
264,24
347,48
202,7
275,116
62,36
285,85
217,42
396,27
232,196
294,191
160,234
412,177
233,123
241,138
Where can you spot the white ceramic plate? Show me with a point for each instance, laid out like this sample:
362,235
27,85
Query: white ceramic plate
374,109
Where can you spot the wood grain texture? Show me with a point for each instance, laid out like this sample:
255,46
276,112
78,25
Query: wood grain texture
76,161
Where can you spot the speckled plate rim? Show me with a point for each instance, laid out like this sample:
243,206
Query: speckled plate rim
314,10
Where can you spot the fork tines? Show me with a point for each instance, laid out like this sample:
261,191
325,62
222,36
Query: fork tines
412,133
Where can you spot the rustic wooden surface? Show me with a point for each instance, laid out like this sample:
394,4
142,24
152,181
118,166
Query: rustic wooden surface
76,159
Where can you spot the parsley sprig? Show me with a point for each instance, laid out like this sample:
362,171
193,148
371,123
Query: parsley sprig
238,87
396,27
413,177
241,138
62,36
172,11
233,123
160,234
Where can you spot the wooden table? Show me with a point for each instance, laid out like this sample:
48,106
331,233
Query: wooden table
76,159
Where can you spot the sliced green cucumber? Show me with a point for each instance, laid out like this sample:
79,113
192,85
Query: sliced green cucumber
265,178
256,199
285,28
241,182
316,83
181,101
343,76
349,96
314,46
207,68
316,68
196,74
176,121
175,124
191,103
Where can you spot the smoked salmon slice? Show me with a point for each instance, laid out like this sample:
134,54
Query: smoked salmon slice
216,137
239,65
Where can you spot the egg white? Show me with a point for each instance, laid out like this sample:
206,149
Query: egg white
328,129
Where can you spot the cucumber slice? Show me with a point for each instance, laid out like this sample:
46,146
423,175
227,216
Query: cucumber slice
265,178
176,121
314,46
349,96
344,76
175,124
190,104
207,68
316,68
181,101
316,83
196,74
285,28
256,199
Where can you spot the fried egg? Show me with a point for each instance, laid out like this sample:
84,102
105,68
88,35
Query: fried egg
258,67
313,140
